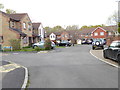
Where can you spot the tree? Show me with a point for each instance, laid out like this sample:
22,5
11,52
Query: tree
54,29
10,11
57,28
92,26
1,6
113,19
73,27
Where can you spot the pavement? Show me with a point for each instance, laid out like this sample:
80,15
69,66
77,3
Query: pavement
99,54
12,75
72,67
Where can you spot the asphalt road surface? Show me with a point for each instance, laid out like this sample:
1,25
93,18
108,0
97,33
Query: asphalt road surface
72,67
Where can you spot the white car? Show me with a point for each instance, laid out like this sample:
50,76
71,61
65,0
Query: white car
41,45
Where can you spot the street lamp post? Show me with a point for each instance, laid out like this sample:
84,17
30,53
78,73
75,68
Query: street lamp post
42,33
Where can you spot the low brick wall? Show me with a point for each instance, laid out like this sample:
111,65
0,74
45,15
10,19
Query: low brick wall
112,38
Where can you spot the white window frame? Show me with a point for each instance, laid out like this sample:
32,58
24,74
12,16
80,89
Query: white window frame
29,27
102,33
95,34
24,25
109,33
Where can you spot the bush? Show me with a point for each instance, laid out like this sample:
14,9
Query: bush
47,44
27,47
15,43
39,49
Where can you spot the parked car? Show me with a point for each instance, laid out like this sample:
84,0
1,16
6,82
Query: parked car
87,41
112,51
98,43
41,45
64,43
83,41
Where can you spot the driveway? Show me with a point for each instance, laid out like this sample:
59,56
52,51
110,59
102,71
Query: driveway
72,67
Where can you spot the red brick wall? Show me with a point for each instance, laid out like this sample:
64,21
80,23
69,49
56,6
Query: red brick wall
112,38
98,31
64,36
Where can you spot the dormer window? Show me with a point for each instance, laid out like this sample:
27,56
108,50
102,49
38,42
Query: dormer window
11,24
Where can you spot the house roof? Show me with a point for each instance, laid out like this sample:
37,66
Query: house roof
36,25
106,28
19,31
56,33
17,16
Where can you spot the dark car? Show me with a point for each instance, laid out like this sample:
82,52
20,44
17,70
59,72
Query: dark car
98,43
112,51
87,41
64,43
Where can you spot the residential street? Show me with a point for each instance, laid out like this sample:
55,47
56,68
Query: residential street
71,67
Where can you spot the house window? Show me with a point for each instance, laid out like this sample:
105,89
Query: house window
66,35
109,33
1,39
51,36
25,40
95,34
11,24
24,25
62,35
29,27
101,33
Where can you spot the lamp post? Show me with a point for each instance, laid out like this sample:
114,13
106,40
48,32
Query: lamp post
42,33
119,16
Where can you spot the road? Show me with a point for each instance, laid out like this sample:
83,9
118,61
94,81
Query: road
72,67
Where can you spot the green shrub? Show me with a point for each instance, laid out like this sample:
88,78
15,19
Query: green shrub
47,44
39,49
15,43
27,47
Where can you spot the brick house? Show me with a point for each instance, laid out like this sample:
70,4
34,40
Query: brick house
99,32
54,36
36,32
15,26
70,35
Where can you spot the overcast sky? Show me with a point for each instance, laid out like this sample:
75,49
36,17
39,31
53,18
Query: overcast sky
64,12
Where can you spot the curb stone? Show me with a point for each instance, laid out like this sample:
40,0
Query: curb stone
26,75
104,60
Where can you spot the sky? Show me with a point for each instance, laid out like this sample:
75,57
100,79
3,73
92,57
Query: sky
64,12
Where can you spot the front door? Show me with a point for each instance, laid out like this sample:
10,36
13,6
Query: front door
30,41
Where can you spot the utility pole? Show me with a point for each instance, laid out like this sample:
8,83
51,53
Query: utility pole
118,11
119,16
42,31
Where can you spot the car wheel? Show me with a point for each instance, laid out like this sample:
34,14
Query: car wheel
118,59
93,48
35,47
104,55
102,47
97,43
